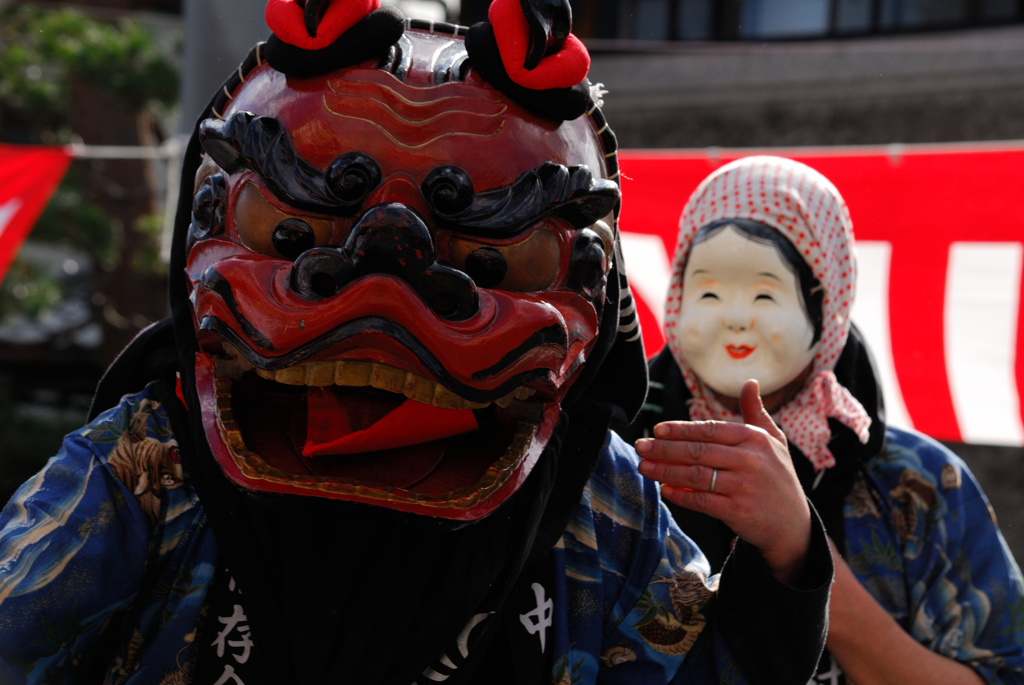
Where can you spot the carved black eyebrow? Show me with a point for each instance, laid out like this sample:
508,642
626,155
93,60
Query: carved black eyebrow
571,193
262,144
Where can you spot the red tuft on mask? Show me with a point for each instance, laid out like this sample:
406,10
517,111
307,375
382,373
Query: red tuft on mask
564,69
286,18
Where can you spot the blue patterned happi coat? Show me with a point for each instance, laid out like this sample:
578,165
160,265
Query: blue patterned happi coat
111,539
923,539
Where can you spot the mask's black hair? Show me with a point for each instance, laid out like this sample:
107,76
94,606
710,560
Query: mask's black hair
811,291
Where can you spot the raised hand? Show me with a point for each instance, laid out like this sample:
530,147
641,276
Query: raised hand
739,473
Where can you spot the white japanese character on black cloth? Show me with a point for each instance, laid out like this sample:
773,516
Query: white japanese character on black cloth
229,654
539,620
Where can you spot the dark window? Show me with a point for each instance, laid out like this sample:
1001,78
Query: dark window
702,20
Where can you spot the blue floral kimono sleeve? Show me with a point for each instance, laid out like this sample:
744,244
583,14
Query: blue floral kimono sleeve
922,538
102,522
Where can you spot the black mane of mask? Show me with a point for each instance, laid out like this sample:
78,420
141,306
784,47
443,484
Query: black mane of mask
335,590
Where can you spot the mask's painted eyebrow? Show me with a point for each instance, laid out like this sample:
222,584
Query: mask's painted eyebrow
770,275
571,193
699,271
261,144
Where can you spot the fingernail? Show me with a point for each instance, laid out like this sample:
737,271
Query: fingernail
645,467
667,489
643,445
661,431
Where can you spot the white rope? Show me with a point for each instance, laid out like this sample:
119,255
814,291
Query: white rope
169,152
170,149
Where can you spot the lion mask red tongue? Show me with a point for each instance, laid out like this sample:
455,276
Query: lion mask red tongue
333,427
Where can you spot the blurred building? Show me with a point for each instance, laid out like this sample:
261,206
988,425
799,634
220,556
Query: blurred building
954,85
675,20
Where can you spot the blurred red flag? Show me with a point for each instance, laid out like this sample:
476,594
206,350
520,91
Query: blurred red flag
940,294
28,177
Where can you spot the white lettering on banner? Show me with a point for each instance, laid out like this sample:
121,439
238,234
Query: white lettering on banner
648,269
980,321
7,212
871,314
539,620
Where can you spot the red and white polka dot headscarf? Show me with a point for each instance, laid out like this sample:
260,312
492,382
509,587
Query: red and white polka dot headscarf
806,208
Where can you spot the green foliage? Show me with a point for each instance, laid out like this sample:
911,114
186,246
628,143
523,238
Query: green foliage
147,260
42,52
71,219
28,290
68,219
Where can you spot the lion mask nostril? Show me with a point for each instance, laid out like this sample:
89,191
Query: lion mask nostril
486,266
392,240
323,285
445,304
292,237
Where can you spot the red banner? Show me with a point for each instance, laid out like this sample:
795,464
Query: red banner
940,233
28,177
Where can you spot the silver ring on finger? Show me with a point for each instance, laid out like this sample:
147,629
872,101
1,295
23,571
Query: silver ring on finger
714,479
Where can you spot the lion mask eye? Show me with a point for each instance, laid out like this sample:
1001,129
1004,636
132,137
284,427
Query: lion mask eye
528,265
264,228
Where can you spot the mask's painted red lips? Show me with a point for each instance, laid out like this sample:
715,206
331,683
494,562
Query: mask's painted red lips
739,351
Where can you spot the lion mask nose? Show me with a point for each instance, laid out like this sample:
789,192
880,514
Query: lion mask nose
389,239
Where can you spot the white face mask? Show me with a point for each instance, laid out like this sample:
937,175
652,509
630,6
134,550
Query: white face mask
741,315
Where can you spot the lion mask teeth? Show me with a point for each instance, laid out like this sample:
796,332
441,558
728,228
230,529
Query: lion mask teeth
363,374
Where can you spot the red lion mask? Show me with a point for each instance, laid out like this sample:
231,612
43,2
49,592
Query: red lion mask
396,274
